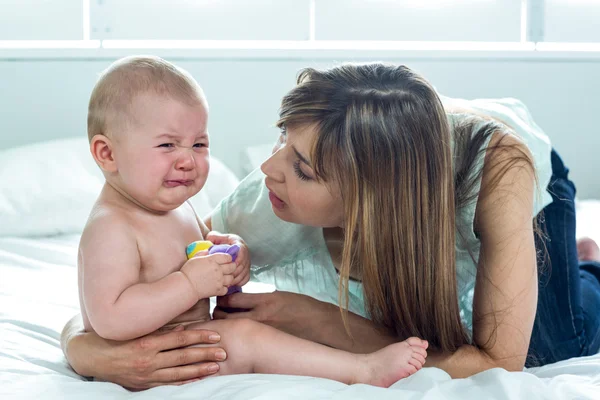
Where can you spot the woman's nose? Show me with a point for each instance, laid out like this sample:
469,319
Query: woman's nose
272,166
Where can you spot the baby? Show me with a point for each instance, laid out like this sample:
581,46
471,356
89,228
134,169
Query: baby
147,126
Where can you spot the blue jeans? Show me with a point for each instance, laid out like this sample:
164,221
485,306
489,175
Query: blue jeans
567,322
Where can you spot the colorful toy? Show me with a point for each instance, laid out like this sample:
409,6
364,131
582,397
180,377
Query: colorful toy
193,248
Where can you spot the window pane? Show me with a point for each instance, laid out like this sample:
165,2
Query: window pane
572,21
200,20
41,20
412,20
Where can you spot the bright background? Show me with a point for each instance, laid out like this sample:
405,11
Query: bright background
246,53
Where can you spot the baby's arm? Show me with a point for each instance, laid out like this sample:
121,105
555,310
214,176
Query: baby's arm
118,306
208,222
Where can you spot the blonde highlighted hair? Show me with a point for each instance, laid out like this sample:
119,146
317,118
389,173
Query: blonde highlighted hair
117,87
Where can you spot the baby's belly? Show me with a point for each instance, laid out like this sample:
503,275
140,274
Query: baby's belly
198,313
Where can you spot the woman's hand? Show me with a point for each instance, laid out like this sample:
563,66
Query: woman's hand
289,312
307,318
161,358
241,275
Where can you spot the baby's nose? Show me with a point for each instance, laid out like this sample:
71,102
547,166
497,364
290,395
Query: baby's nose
185,162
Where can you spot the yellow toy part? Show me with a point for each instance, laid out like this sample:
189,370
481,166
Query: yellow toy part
193,248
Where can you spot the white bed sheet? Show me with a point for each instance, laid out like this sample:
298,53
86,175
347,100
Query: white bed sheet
38,294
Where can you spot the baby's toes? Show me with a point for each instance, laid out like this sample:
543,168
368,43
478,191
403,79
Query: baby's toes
415,341
419,350
415,363
420,359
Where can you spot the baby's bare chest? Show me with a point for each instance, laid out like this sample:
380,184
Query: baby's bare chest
162,248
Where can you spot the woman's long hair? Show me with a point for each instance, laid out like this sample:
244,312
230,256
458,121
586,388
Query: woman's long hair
384,137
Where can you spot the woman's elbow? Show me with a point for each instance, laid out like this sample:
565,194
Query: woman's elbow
511,364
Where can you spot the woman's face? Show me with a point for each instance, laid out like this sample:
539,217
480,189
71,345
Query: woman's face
296,196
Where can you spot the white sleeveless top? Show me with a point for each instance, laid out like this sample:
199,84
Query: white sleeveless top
513,113
295,257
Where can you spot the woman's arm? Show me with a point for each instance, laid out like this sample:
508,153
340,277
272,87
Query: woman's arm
505,300
321,322
308,318
505,297
158,359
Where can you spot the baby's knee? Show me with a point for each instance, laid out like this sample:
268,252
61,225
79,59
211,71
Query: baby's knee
245,326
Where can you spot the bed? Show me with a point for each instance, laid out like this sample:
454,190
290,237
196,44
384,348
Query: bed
38,294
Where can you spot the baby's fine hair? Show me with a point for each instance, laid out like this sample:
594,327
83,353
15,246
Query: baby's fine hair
119,84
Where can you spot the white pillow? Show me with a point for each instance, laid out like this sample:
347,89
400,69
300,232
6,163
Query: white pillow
48,188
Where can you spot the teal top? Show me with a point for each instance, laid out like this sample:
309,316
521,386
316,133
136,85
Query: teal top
295,257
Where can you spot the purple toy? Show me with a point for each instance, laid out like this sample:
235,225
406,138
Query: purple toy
233,250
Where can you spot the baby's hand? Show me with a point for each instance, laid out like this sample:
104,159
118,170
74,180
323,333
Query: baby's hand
241,275
211,275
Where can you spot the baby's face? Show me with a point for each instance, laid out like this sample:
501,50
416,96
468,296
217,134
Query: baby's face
163,153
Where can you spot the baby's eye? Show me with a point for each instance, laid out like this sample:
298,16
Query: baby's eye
166,145
200,145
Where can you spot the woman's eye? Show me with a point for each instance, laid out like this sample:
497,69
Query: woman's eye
299,172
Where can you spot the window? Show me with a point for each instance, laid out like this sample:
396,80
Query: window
418,20
41,20
200,19
572,21
301,24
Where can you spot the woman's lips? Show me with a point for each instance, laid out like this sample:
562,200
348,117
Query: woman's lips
276,201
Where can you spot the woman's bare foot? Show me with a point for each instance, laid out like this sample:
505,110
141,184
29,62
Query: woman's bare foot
588,250
392,363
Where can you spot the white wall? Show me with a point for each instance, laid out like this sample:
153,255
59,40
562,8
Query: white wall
47,98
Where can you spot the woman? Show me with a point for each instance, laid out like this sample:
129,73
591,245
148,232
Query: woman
431,214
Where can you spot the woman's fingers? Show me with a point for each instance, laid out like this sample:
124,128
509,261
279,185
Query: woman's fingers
189,355
239,269
219,313
242,279
217,237
177,339
178,375
240,300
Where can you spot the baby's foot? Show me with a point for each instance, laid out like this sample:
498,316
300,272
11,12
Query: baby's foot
392,363
587,250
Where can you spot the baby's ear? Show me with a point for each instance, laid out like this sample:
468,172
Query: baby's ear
101,148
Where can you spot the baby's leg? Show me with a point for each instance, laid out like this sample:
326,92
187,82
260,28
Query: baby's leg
253,347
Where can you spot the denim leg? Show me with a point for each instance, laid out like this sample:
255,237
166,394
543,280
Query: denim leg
567,322
590,299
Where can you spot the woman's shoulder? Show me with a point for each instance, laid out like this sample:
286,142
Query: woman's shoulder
515,115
